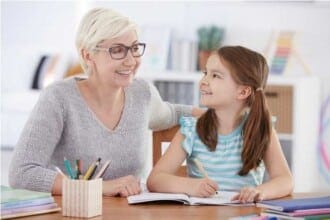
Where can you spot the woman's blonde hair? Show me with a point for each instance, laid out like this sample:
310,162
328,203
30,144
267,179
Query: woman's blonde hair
97,25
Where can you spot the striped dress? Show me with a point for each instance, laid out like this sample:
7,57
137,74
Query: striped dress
221,165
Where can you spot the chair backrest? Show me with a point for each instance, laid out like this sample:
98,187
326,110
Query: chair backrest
158,137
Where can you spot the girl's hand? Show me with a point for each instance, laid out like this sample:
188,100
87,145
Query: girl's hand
202,187
123,186
249,194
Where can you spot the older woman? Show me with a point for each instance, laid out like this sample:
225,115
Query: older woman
105,115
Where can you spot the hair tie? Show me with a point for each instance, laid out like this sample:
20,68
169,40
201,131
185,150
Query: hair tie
259,89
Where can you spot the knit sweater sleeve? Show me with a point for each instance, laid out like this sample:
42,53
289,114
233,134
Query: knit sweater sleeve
163,114
41,134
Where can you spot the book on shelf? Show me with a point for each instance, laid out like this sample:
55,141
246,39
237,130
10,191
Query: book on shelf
289,205
171,91
20,202
183,54
176,92
221,198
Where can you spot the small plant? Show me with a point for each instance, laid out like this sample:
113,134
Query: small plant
210,38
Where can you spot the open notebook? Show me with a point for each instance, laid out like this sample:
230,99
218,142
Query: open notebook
221,198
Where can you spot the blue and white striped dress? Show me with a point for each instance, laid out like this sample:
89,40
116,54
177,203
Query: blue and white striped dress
223,164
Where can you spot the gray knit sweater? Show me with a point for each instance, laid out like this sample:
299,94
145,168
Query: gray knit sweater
62,125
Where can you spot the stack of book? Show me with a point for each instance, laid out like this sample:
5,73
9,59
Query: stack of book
176,92
19,202
307,208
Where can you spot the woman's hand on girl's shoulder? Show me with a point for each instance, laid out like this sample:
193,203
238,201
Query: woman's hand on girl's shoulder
123,186
197,112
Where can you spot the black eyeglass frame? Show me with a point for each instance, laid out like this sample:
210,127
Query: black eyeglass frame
109,50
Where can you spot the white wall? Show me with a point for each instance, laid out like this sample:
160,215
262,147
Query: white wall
30,29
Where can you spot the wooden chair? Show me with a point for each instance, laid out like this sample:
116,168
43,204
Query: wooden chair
165,136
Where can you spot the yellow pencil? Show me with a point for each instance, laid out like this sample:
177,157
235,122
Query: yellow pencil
91,169
202,170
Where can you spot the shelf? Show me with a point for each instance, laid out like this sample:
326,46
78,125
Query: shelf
285,137
172,76
197,75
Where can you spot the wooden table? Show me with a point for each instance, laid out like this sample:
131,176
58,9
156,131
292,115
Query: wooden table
118,208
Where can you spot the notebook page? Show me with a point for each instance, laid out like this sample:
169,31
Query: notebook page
221,198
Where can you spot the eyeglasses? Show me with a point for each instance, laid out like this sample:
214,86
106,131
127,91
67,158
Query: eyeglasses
120,51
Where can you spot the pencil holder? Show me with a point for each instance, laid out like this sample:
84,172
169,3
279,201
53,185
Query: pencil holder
82,198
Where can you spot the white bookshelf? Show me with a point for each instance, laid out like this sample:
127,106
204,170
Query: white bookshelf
300,144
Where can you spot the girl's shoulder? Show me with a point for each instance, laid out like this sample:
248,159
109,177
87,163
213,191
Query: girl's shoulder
186,121
188,130
187,125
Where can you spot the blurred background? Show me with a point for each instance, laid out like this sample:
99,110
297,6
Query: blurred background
38,48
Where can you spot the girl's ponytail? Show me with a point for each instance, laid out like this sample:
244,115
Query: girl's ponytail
256,132
207,129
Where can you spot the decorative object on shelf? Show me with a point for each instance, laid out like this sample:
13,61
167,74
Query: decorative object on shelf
75,69
209,39
281,50
280,100
324,141
156,54
51,68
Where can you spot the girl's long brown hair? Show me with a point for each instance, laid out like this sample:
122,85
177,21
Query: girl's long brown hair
247,68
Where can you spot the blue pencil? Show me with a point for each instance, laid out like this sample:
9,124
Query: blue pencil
68,168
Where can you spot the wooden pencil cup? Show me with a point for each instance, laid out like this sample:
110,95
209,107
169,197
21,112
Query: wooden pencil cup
82,198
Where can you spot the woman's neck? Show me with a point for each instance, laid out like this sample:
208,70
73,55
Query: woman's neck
103,95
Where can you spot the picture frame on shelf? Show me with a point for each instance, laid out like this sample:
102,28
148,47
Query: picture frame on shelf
157,39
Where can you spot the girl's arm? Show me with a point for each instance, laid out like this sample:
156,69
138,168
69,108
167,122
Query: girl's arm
280,181
162,178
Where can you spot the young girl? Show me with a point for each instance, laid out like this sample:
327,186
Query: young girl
234,140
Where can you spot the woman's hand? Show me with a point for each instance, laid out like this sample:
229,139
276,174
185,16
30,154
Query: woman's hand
202,187
123,186
249,194
197,112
